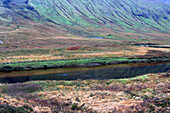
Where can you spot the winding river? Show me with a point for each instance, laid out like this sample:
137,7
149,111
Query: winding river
101,72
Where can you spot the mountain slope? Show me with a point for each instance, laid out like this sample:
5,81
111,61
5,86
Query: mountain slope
127,20
124,15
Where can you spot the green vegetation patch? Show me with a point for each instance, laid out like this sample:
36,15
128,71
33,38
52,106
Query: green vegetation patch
11,109
64,62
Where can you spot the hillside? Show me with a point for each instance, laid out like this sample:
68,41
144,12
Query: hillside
118,15
37,24
84,15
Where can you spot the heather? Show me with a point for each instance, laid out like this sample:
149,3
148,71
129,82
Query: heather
145,93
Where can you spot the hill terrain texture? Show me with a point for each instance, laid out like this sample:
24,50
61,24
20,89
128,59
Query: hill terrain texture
68,28
43,34
84,17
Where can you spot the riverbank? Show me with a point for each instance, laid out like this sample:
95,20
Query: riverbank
146,93
65,63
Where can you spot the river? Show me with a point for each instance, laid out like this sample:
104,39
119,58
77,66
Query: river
100,72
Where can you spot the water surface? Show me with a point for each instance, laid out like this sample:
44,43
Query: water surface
101,72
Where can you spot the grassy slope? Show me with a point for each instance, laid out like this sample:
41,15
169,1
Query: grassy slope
81,17
126,15
38,30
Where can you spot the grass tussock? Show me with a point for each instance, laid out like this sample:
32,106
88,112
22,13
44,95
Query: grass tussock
147,93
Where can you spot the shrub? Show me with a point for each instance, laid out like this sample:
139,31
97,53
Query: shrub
74,48
74,107
12,109
20,89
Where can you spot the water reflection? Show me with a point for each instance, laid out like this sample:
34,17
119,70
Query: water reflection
102,72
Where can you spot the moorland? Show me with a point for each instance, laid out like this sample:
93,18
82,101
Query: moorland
43,34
